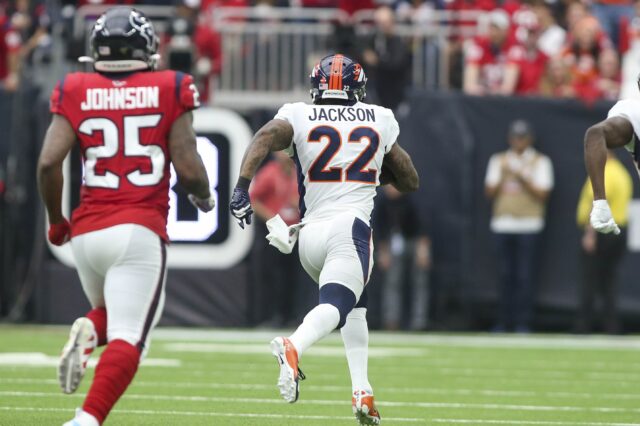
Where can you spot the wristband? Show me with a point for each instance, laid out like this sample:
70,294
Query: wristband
243,183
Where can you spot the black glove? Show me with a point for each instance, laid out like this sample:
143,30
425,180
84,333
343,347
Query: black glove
240,205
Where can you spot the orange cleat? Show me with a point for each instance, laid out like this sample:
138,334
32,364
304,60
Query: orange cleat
364,408
290,374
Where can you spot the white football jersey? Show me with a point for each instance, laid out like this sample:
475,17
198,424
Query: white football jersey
629,109
338,151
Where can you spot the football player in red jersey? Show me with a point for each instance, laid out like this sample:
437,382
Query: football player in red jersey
131,123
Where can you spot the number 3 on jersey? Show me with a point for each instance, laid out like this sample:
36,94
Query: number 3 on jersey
132,148
320,170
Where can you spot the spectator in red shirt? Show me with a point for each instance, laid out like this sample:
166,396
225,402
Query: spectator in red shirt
274,275
608,82
487,58
556,83
531,65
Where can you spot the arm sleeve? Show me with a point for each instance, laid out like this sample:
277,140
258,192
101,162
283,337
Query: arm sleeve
543,176
55,101
187,92
629,109
492,178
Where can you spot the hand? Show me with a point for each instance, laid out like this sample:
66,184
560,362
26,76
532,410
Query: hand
589,240
204,204
601,219
59,233
240,206
384,260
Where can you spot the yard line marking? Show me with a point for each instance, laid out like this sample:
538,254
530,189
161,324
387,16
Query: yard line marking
528,422
398,404
346,389
210,414
568,342
39,359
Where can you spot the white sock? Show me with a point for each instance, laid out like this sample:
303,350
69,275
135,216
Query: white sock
355,335
319,322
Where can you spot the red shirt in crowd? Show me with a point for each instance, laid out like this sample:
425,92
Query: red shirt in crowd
278,191
532,66
492,60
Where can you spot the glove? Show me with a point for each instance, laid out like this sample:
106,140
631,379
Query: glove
601,219
204,204
240,206
59,233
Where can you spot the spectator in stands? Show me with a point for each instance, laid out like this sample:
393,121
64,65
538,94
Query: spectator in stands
417,12
608,83
602,253
630,48
582,56
274,191
610,13
386,61
487,58
404,256
556,83
552,36
526,69
518,181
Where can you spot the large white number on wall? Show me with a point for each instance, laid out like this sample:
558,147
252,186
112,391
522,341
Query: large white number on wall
207,223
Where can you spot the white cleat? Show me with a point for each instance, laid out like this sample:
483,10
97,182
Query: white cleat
82,418
290,374
75,354
364,408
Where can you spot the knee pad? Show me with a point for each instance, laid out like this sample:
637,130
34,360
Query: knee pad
339,296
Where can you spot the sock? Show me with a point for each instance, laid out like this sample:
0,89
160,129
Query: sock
115,370
98,317
355,335
319,322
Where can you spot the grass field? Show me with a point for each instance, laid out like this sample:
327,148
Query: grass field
209,377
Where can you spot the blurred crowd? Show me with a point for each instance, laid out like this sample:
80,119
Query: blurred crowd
555,48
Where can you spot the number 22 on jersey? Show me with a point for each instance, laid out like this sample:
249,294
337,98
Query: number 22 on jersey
358,170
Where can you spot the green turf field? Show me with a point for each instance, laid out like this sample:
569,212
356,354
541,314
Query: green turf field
208,377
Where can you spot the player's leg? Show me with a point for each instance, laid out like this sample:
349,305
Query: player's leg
86,332
134,297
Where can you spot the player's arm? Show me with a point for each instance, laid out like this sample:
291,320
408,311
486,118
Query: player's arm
611,133
192,175
58,141
276,135
403,175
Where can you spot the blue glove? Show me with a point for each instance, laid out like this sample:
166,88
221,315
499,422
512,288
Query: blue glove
240,206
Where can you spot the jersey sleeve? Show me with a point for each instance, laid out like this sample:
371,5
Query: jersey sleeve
393,131
55,102
188,95
286,113
629,109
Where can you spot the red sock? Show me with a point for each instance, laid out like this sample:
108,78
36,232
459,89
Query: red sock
115,370
98,317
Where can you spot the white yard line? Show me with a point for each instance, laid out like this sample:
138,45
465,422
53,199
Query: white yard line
326,402
213,414
346,389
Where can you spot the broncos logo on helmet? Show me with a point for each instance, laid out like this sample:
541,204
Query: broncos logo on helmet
123,40
337,77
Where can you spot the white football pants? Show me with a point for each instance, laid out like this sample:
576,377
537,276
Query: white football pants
123,268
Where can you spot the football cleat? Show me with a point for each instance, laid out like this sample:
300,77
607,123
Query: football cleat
82,418
75,354
290,374
364,408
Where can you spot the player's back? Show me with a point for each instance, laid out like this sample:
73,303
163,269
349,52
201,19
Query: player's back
339,151
123,125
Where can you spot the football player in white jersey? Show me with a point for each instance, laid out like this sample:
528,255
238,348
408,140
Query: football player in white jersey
343,149
621,128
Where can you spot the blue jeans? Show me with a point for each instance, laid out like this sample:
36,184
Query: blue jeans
516,257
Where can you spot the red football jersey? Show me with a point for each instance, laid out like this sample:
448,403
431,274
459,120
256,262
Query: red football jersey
123,126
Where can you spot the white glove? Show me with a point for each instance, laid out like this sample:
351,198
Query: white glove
204,204
601,219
